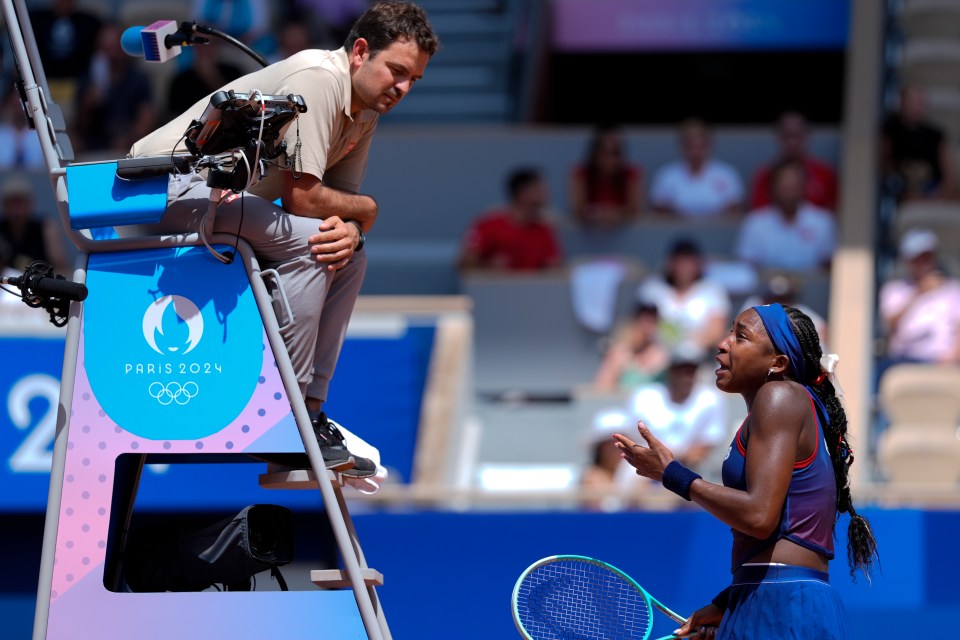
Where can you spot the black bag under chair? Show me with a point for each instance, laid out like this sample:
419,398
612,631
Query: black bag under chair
227,553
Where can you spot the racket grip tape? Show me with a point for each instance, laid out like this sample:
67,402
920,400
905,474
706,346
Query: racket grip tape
678,478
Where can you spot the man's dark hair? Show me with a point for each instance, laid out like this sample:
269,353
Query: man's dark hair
521,178
386,22
617,180
682,246
685,246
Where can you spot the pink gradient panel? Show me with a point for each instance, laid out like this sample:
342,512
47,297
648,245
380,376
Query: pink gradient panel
95,441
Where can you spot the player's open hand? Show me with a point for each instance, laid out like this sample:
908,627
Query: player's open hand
335,242
649,460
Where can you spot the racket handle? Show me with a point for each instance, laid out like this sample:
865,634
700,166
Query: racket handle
673,637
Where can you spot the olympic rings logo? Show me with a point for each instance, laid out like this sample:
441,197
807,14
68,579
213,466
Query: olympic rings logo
172,392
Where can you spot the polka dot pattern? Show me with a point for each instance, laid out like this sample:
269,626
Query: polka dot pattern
95,445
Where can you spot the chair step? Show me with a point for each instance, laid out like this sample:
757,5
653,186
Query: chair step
338,579
284,478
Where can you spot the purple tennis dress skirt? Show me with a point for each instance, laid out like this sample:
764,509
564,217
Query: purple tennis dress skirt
785,603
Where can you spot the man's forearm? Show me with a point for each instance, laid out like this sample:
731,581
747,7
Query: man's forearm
317,200
325,202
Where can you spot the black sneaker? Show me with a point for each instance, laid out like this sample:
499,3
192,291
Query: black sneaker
332,443
335,454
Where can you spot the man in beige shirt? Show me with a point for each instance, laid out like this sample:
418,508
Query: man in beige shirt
314,239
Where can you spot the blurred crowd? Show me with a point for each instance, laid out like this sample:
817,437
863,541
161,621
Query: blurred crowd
110,99
656,364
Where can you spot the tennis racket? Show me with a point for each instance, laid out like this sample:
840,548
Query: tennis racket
579,598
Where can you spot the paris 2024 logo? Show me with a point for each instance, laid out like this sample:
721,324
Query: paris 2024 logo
173,366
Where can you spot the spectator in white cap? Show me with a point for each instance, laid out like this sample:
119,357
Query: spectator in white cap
920,313
921,310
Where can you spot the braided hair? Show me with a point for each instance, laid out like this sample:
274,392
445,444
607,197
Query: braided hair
861,545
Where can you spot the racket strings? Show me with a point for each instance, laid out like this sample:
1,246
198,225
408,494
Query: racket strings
578,600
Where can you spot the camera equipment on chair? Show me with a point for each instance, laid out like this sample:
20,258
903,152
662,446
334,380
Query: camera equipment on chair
251,125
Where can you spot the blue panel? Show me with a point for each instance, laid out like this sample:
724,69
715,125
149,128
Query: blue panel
29,395
377,393
29,392
179,359
451,574
681,558
941,550
98,198
16,611
900,536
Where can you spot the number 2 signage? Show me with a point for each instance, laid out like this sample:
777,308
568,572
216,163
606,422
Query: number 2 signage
30,371
30,395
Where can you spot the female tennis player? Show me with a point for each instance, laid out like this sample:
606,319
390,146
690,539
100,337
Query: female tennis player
785,482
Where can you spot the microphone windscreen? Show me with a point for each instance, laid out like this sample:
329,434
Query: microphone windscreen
131,42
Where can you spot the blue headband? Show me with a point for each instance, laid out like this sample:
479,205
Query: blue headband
780,330
784,338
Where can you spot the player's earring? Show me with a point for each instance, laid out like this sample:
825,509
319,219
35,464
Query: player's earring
769,372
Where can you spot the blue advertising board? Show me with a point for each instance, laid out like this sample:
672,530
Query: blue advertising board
29,392
376,393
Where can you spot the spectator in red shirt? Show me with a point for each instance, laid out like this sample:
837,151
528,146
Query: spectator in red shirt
517,236
606,189
792,134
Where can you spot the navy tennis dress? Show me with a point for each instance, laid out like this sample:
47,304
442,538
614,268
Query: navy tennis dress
783,601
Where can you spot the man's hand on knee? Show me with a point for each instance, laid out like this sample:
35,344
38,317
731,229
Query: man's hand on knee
335,243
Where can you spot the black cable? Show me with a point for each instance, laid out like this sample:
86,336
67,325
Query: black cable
11,291
210,31
173,152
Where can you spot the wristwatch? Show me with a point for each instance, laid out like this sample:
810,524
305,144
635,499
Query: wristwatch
363,238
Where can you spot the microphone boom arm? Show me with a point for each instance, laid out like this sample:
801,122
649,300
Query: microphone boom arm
184,36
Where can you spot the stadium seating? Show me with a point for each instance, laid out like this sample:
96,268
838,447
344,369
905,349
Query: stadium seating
930,18
930,59
921,445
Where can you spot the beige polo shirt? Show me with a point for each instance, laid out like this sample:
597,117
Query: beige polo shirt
334,145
